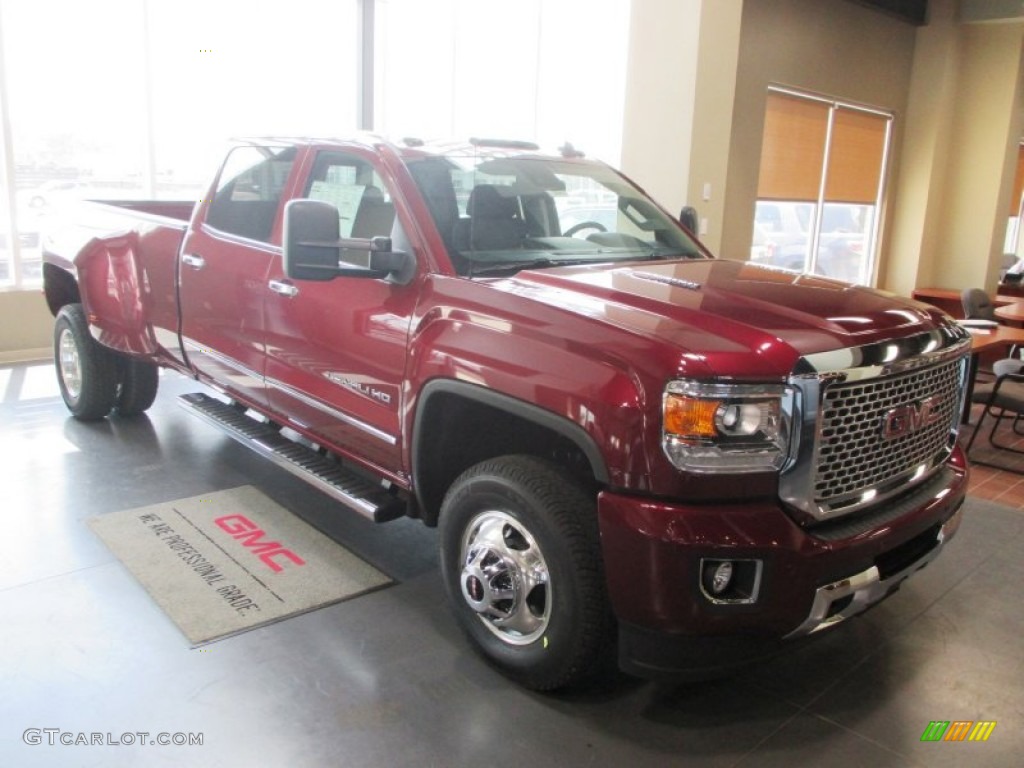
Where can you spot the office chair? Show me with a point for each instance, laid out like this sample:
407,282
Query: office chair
1005,401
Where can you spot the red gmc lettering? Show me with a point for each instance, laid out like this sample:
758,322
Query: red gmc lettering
910,418
251,540
268,558
249,534
236,524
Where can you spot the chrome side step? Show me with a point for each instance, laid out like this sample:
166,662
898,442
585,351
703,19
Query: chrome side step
344,485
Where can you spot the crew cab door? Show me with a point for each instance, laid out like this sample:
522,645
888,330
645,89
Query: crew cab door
336,350
223,269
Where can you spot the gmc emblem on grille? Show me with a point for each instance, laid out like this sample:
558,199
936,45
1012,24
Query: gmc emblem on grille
907,419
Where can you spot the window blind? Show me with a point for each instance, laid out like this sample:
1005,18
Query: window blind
794,150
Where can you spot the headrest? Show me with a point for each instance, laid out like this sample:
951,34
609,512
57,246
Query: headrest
485,200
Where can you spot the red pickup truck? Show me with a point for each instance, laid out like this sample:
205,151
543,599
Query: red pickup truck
627,445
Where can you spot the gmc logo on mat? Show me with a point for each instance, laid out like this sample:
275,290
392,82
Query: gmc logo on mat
246,531
910,418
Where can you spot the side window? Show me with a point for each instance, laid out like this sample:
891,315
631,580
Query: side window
249,191
365,207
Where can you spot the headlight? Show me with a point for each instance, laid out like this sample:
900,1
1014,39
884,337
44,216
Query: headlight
726,427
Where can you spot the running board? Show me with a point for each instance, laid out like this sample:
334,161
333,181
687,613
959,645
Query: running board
344,485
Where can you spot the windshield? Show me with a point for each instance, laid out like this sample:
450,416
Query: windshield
497,215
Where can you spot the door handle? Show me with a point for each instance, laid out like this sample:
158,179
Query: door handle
191,260
284,288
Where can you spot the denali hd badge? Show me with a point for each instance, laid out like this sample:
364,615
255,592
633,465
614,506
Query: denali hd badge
907,419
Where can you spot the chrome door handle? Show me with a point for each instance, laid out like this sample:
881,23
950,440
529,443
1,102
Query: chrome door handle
284,288
196,262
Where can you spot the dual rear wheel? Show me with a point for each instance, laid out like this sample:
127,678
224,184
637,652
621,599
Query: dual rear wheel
93,379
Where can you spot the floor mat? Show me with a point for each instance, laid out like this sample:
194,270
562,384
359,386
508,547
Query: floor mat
230,561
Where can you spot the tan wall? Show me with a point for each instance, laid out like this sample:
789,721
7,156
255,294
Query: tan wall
679,100
26,326
982,158
919,184
833,48
661,80
717,60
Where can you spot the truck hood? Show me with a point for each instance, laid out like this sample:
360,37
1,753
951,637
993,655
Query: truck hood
732,318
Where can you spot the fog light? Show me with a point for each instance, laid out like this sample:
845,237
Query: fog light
720,577
730,582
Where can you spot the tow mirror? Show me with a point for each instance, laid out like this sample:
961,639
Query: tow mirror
311,235
314,248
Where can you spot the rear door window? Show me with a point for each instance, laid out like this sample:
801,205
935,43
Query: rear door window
249,191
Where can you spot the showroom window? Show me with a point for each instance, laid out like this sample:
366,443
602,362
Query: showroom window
820,186
1013,242
143,104
547,71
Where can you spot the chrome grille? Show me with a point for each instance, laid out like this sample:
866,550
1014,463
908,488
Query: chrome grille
854,453
870,422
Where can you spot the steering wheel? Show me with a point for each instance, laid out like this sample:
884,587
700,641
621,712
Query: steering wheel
584,225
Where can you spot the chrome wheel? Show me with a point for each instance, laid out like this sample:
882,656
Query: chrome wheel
520,560
70,364
504,578
87,373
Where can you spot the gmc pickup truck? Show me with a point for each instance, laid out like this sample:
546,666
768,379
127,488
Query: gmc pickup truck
629,447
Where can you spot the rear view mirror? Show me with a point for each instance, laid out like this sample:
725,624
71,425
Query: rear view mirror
688,218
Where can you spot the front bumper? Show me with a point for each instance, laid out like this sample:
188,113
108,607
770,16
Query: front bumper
810,579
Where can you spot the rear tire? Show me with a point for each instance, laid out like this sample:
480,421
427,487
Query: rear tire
87,373
521,563
139,383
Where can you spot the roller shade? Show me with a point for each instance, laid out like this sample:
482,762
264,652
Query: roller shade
794,149
855,156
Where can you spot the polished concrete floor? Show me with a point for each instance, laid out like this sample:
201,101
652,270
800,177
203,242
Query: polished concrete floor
386,679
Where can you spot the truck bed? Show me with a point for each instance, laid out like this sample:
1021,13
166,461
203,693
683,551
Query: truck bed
88,219
115,246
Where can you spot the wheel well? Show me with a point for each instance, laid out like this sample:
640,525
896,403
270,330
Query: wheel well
454,432
60,288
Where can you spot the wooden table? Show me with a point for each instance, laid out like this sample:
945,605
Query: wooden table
1001,335
949,300
984,339
1012,313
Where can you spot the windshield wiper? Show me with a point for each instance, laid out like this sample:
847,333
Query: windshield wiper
508,266
656,255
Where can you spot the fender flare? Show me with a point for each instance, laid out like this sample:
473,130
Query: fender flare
528,412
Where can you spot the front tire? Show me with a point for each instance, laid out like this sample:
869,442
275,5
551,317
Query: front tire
87,373
521,565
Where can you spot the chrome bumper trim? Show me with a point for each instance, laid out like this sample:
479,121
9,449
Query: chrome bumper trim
867,587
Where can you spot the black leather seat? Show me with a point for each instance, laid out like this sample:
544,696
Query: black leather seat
375,216
494,223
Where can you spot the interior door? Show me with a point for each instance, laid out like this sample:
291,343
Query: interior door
336,350
223,270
